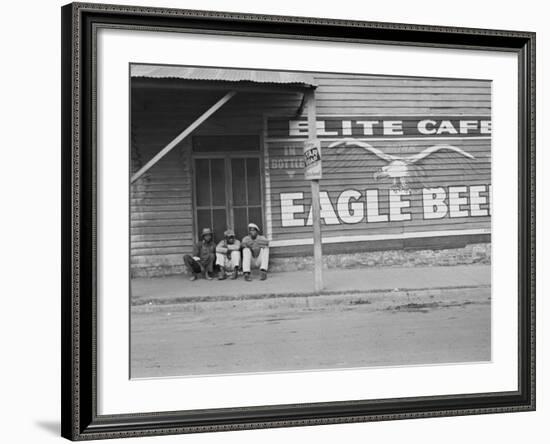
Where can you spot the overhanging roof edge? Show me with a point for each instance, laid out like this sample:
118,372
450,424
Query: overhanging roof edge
229,76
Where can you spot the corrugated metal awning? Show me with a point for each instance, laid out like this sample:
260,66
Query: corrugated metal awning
222,75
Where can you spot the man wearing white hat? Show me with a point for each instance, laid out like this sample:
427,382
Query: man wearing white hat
228,255
255,252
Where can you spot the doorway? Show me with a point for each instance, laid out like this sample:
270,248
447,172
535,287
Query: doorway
227,183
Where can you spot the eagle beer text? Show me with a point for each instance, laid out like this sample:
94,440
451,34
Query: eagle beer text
352,206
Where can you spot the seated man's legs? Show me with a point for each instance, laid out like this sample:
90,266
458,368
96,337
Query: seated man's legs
235,259
235,263
264,258
208,266
220,259
261,262
247,258
222,262
193,267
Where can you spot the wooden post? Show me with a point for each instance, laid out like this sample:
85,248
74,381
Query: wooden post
182,136
315,201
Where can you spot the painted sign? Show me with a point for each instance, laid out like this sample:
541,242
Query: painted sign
404,170
382,176
312,160
383,126
352,206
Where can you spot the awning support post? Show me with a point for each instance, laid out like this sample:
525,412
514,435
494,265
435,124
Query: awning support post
182,135
315,200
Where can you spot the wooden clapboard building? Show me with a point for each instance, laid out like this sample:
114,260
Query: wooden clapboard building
406,161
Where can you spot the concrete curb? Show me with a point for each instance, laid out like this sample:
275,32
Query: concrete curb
398,297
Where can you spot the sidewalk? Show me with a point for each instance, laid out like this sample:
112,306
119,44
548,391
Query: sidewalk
297,283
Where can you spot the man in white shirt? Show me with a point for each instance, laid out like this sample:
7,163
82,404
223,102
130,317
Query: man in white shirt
228,255
255,252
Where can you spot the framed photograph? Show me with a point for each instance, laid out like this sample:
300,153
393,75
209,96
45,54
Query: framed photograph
276,221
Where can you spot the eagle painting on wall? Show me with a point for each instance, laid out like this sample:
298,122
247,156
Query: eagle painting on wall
406,172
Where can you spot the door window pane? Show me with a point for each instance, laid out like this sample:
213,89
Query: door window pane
202,182
212,184
241,221
203,221
218,181
219,224
255,215
253,181
238,179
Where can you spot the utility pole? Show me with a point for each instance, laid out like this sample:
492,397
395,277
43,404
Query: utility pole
312,154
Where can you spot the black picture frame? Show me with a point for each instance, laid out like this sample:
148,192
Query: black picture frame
80,420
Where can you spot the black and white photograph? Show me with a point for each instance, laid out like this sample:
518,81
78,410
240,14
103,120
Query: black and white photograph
245,222
296,221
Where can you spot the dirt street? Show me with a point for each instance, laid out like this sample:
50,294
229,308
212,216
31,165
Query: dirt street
299,333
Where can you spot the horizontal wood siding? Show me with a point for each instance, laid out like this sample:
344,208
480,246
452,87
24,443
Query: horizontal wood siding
353,94
353,168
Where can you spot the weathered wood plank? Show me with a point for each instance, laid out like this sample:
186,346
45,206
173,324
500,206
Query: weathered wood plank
376,89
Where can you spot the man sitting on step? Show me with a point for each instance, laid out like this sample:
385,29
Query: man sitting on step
228,255
255,252
203,258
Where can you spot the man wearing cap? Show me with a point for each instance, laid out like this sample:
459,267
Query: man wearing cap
255,252
228,255
203,258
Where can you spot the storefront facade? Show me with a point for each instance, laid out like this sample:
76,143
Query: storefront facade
384,187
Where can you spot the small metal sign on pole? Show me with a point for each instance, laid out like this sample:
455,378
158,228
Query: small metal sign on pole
313,172
312,159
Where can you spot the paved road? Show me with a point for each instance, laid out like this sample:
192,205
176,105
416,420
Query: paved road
310,333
